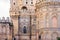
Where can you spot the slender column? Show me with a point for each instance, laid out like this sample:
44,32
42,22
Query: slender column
12,32
19,27
30,27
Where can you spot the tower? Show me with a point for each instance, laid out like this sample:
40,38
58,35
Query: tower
48,18
22,13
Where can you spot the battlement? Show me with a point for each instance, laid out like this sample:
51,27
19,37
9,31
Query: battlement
3,19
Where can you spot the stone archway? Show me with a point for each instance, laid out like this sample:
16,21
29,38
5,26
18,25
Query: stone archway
39,37
46,36
24,7
54,36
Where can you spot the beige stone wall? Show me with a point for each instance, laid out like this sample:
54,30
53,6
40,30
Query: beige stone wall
45,13
45,10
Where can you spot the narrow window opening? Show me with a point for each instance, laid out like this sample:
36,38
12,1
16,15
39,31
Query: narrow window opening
14,3
39,37
14,38
6,39
26,2
24,29
31,2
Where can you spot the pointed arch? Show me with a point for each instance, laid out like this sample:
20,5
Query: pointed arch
46,35
24,7
54,14
54,21
24,29
54,36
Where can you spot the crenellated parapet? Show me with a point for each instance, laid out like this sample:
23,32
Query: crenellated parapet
6,28
5,20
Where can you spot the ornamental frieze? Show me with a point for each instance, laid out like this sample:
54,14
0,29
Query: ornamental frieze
39,5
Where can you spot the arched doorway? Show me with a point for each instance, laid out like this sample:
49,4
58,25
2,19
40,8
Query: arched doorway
24,8
24,29
46,36
54,36
39,37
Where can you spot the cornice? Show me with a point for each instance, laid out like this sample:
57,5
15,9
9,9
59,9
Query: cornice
42,4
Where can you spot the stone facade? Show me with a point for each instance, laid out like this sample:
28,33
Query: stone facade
48,18
5,29
32,20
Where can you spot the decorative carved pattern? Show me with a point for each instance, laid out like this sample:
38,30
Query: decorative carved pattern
42,4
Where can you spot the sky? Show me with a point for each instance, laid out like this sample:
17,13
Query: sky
4,8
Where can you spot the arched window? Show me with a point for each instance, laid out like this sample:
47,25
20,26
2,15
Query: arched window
39,37
54,36
26,2
54,21
6,39
14,38
24,8
24,29
14,3
31,1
